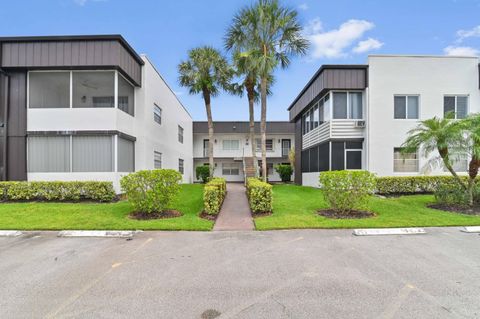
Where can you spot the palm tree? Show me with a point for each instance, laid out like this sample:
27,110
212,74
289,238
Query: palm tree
248,83
471,128
268,34
442,135
207,72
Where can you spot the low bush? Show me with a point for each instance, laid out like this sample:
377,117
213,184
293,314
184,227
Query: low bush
259,195
203,173
413,184
285,171
347,190
213,195
151,191
454,194
57,191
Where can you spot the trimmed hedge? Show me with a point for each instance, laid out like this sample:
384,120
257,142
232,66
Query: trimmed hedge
346,191
151,191
413,184
57,191
259,195
213,195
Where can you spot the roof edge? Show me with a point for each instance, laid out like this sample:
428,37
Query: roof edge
95,37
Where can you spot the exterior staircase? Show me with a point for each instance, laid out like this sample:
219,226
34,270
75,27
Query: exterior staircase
249,167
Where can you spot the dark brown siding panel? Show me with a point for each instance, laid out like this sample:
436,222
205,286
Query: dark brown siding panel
81,53
298,152
16,127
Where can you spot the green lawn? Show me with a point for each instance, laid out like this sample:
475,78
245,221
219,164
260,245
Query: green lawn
296,206
56,216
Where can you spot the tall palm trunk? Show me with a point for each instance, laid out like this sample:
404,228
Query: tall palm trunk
206,97
251,109
263,125
446,161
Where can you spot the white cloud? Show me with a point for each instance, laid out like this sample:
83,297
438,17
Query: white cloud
367,45
335,43
303,6
463,34
461,51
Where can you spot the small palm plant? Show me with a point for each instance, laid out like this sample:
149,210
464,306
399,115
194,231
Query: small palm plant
269,35
207,72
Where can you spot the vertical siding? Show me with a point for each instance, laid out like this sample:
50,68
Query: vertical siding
298,152
51,54
330,79
16,127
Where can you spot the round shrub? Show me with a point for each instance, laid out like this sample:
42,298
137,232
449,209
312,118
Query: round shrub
285,171
347,190
203,173
151,191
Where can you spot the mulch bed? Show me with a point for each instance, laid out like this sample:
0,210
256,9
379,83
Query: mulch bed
353,214
261,214
160,215
206,216
475,210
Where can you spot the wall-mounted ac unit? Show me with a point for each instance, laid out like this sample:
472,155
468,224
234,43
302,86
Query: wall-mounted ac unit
360,123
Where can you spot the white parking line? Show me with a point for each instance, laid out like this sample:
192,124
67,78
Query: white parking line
388,231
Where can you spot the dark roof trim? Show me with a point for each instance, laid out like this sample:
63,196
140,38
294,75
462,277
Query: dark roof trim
114,37
322,68
82,133
242,127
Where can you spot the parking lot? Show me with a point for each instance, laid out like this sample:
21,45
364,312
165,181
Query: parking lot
278,274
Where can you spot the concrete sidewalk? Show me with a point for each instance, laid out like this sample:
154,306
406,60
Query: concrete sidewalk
235,213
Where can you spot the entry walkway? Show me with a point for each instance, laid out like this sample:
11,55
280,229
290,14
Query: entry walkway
235,213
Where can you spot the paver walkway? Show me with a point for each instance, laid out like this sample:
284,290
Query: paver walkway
235,213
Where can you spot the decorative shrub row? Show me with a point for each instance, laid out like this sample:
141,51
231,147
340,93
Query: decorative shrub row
259,195
347,190
151,191
413,184
57,191
213,195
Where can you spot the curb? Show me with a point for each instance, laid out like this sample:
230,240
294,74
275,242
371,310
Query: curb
471,229
388,231
10,233
98,233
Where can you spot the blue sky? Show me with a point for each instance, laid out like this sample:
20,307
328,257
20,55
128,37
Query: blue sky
340,31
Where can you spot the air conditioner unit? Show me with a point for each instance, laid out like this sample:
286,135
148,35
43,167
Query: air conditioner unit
360,123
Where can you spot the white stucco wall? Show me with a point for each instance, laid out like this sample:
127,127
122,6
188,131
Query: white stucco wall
429,77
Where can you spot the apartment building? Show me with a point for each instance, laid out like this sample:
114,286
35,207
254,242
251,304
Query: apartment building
233,151
358,116
86,108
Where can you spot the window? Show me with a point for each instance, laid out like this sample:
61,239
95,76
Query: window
404,162
307,122
459,164
405,106
231,145
49,89
315,116
268,144
48,154
269,169
455,106
157,114
93,89
347,105
180,134
92,153
157,160
353,155
230,169
126,96
126,155
180,166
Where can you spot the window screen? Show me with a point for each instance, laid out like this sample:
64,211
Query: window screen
404,162
92,153
338,156
49,89
354,159
314,159
49,153
356,105
93,89
340,105
400,107
126,155
157,160
126,96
